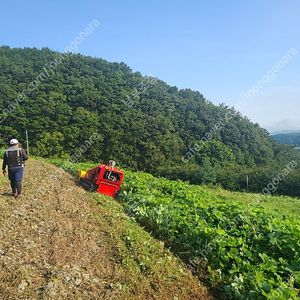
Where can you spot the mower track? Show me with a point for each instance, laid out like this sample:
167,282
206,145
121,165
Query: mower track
52,243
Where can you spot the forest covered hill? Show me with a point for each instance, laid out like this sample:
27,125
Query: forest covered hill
83,108
291,138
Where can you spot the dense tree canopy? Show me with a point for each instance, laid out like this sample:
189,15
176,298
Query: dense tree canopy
76,106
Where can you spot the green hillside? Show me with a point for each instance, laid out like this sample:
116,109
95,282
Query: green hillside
292,138
82,108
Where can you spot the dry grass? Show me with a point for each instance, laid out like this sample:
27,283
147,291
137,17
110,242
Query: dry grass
60,242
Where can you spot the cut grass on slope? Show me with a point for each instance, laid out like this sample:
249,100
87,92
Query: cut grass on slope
62,242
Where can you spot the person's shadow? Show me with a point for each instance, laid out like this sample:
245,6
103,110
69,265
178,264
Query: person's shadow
6,194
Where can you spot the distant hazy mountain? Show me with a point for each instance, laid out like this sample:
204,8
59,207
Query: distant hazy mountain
285,132
284,126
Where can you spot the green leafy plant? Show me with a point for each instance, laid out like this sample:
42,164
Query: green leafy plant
255,252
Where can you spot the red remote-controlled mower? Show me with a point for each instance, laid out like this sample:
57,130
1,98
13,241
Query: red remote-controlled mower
105,179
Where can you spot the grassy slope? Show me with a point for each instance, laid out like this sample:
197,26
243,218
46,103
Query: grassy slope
284,204
143,195
70,244
254,250
144,267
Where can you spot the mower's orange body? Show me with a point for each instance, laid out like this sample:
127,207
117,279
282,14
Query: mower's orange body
104,178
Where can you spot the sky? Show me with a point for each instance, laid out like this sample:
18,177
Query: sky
245,54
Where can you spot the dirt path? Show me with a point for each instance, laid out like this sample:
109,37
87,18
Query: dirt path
50,244
53,245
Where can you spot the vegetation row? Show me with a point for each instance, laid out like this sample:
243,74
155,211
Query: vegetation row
254,253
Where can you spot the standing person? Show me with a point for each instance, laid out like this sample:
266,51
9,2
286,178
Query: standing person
14,158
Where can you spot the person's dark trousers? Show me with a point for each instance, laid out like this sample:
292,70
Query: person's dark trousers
15,176
16,186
